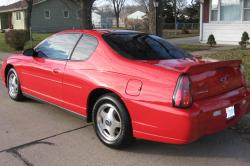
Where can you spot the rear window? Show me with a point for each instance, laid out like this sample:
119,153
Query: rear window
139,46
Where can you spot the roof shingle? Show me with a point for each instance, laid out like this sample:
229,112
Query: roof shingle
20,5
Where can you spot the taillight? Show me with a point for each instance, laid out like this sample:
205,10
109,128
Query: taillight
182,97
243,75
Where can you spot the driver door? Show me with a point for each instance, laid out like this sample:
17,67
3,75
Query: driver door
43,77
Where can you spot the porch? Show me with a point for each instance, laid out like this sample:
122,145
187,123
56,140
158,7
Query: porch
6,20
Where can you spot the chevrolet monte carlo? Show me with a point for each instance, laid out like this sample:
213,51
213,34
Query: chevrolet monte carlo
130,85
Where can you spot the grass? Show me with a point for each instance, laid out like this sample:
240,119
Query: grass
169,34
235,54
194,47
37,38
3,46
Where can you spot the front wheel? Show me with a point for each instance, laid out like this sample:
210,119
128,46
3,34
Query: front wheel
112,122
14,88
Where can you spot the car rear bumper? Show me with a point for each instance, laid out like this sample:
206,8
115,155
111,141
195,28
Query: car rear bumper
182,126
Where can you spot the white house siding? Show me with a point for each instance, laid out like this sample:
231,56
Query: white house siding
136,15
225,33
18,24
96,20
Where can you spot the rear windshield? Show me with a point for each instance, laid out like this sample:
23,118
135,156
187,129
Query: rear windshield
139,46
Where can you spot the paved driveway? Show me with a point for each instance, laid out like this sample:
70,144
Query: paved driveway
186,40
2,55
37,134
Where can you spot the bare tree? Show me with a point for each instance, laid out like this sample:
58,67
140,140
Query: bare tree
28,16
145,4
118,6
151,17
181,4
86,12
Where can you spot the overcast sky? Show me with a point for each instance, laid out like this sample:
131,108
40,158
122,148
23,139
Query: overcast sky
6,2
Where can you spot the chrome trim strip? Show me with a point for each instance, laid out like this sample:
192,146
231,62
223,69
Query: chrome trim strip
38,99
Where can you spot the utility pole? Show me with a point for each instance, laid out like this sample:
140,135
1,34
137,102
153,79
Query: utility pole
175,16
156,5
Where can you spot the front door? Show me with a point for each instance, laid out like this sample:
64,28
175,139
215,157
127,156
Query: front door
43,76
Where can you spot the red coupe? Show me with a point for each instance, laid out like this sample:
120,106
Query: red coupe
131,85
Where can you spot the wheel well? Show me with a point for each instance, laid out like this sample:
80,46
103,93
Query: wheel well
8,67
93,97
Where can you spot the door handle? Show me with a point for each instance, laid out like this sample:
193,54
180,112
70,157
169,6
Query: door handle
56,71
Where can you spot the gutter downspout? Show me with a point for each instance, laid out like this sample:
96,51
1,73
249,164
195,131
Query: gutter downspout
201,19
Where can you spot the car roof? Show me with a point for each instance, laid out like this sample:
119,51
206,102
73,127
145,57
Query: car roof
98,32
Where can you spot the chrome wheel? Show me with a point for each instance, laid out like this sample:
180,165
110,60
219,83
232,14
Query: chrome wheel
13,85
109,122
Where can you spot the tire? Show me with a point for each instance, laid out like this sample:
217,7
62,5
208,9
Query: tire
14,87
112,122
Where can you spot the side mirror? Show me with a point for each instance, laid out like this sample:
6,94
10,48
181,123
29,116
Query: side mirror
29,52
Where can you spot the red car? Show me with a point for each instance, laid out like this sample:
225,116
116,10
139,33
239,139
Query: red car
131,85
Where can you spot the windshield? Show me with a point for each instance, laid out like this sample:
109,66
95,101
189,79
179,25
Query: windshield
139,46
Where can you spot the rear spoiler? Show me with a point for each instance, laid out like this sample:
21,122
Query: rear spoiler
195,69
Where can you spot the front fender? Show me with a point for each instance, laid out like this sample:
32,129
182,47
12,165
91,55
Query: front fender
3,68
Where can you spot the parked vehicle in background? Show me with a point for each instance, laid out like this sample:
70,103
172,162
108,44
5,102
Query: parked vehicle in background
131,85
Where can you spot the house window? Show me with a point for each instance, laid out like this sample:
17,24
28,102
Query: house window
18,15
214,10
78,14
47,14
246,10
66,14
230,10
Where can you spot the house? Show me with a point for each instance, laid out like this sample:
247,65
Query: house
108,19
96,20
47,15
138,15
225,19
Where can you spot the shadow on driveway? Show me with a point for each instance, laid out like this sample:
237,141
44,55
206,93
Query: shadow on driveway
227,144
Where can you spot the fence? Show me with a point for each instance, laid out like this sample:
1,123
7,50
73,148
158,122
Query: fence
190,26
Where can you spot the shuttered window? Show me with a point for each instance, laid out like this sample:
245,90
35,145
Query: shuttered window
214,10
246,10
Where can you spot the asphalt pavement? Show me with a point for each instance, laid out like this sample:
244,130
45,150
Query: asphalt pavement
37,134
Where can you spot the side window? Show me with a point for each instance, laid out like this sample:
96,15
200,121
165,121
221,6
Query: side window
58,46
84,48
66,14
47,14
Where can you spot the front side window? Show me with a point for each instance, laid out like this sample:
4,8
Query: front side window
58,46
214,10
66,14
47,14
18,16
139,46
246,10
230,10
84,48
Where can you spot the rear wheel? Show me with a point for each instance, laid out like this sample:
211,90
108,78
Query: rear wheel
112,122
14,88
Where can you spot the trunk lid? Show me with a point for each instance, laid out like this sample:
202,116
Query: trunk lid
208,77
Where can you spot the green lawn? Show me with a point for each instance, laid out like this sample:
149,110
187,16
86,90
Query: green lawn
194,47
168,34
235,54
37,38
3,46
